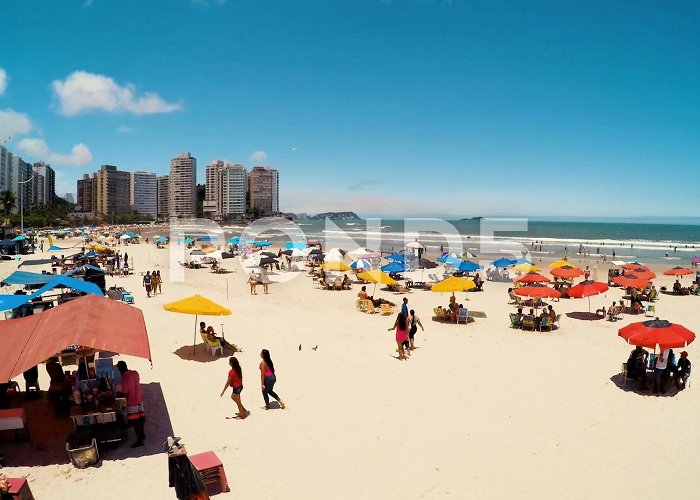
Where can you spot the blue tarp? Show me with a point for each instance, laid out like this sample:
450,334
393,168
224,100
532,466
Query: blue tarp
12,301
68,282
8,302
27,278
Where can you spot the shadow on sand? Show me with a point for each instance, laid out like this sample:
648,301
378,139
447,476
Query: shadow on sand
200,353
633,386
49,433
584,316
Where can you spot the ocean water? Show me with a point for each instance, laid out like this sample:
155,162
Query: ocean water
674,244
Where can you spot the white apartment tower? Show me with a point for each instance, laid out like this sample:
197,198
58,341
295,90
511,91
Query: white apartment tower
182,195
144,193
225,193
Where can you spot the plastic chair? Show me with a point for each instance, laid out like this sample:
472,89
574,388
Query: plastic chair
546,322
213,347
514,320
650,311
528,322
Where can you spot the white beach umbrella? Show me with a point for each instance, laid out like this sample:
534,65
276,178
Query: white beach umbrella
359,253
124,237
414,244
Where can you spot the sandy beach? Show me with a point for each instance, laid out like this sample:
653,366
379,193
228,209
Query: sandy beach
479,411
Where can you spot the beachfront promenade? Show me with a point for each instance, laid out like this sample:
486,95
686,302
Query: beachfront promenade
479,410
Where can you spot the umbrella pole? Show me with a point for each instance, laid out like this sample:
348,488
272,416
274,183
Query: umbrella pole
194,338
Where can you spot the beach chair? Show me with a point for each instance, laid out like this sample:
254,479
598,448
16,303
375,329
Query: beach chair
619,311
370,307
361,306
337,284
546,323
315,282
212,346
528,322
463,316
557,321
650,311
514,322
387,309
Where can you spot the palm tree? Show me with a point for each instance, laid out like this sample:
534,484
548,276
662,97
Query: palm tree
8,201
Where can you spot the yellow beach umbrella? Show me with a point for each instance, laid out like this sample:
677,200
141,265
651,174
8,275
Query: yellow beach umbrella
526,267
377,276
197,305
208,249
335,265
453,284
561,263
99,248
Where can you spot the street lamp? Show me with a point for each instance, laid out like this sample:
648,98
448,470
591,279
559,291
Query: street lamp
20,184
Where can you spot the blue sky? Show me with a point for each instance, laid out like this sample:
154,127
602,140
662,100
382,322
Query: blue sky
415,107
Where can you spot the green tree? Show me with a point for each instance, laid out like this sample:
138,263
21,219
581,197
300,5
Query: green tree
8,200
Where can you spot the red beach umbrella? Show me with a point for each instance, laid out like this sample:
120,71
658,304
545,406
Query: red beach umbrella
587,288
630,280
643,273
657,332
678,271
566,272
532,277
634,265
537,291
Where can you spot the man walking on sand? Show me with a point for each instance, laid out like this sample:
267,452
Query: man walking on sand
131,387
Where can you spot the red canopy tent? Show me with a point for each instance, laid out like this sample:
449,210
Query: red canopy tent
91,321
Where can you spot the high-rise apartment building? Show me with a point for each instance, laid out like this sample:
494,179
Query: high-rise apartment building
113,191
144,193
263,190
163,187
5,168
20,173
30,185
225,192
212,190
182,199
234,187
46,191
87,193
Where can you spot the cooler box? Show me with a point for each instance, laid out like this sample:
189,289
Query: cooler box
82,450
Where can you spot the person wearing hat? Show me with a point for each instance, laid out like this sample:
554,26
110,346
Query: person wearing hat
682,371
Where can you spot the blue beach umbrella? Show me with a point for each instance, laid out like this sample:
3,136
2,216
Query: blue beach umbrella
503,262
236,240
205,238
397,257
522,261
468,267
299,245
394,267
162,239
361,264
189,240
21,237
261,244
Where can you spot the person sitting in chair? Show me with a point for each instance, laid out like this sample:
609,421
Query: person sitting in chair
212,337
682,371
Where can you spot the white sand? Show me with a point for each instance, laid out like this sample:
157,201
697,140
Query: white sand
478,411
